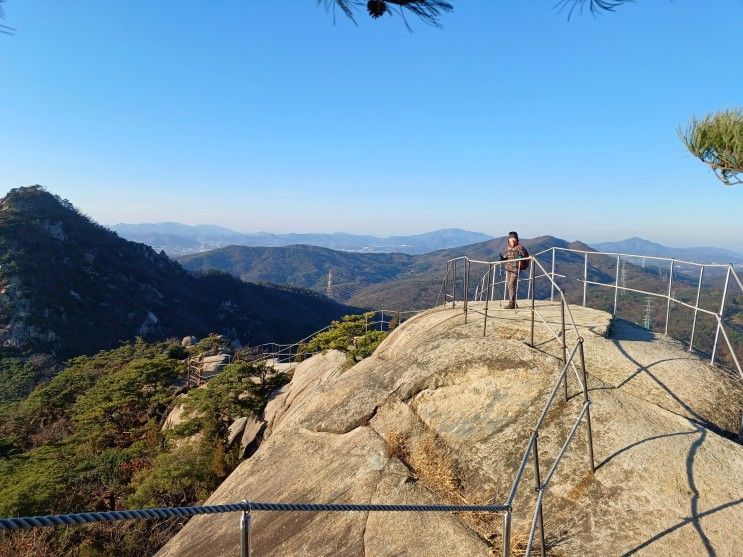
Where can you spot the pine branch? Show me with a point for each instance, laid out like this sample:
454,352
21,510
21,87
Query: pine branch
593,6
429,11
5,29
717,141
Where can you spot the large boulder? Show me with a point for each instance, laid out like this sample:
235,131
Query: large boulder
442,414
188,341
236,429
253,428
178,415
215,363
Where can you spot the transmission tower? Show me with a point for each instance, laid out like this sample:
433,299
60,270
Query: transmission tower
329,287
647,323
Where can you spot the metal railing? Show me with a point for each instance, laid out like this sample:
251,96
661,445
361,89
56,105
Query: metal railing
485,290
731,279
486,287
13,524
292,354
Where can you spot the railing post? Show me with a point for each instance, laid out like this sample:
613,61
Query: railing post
538,479
616,286
668,306
587,401
485,324
585,278
492,287
454,284
245,526
505,282
719,319
466,286
531,281
446,280
381,321
507,534
552,291
564,345
518,279
696,309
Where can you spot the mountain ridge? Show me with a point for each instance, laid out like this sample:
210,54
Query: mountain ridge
354,275
698,254
180,239
70,286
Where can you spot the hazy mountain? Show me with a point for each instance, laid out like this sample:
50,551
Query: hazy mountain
69,286
697,254
180,239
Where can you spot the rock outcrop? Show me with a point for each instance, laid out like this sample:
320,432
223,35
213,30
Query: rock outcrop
442,414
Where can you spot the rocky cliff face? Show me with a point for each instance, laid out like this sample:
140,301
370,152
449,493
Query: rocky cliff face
442,414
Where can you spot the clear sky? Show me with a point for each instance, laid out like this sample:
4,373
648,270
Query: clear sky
265,115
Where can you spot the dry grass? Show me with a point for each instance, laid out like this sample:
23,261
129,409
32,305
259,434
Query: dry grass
435,464
429,458
25,543
397,447
436,467
519,542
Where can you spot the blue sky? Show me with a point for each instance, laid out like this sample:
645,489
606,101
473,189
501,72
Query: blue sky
267,116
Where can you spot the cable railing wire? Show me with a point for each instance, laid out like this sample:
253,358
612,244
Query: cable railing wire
248,506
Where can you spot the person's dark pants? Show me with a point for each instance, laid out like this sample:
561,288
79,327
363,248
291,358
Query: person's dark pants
512,279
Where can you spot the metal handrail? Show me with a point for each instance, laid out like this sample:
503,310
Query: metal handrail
278,351
654,257
20,523
668,295
542,487
530,444
562,377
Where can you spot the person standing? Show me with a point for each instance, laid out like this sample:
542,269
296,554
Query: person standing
514,250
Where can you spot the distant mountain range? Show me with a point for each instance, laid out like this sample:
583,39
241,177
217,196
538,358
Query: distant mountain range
644,247
179,239
69,286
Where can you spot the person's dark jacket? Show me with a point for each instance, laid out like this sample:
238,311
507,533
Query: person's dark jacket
516,252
